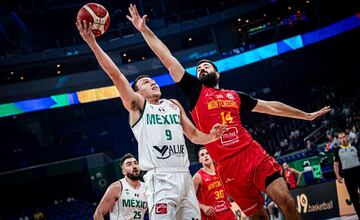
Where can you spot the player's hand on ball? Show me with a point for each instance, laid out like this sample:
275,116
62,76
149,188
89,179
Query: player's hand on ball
218,130
138,22
85,31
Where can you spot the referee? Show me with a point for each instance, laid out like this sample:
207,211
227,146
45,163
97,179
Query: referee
348,157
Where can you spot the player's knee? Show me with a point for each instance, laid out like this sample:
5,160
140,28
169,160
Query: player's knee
287,202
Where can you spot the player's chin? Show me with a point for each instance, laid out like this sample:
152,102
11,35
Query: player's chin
157,93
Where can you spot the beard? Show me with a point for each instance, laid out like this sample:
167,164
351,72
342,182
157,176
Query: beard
209,80
134,176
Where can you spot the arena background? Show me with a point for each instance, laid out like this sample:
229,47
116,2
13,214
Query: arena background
63,129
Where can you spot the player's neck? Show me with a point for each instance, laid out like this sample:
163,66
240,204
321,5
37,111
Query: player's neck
154,100
209,169
134,183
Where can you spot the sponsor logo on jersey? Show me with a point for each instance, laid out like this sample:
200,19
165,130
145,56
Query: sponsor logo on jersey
220,206
230,136
165,151
161,208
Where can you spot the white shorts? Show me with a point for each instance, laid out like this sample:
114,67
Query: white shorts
171,195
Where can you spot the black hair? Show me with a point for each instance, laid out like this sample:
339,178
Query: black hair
201,148
126,156
134,86
206,61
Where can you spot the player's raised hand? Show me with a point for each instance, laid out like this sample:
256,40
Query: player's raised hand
85,31
217,130
138,22
314,115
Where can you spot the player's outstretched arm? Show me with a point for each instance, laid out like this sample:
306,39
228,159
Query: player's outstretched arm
157,46
130,99
298,175
195,135
107,202
281,109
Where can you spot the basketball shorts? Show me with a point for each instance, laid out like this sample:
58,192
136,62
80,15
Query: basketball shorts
244,174
171,195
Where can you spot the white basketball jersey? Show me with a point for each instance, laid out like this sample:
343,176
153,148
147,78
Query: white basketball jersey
160,137
131,204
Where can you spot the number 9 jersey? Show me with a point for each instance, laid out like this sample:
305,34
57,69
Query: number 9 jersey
160,137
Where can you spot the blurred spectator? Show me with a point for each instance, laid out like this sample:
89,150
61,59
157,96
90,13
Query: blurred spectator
39,215
332,143
311,149
353,138
277,152
24,217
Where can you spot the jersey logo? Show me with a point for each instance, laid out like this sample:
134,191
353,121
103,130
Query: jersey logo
161,109
165,151
162,150
230,96
229,180
230,136
161,208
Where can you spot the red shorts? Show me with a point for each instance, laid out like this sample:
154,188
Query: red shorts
227,214
243,176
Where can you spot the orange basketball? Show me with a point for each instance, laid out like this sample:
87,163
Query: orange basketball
96,14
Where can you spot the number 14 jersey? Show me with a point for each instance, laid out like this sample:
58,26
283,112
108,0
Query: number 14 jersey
221,106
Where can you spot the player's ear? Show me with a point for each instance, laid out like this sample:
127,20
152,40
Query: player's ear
217,74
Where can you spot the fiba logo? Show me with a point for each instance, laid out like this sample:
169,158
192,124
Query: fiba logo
302,203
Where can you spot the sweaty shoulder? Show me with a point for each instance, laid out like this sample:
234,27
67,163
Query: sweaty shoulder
191,86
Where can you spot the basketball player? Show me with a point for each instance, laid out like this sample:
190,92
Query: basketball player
242,164
158,126
291,175
210,191
125,198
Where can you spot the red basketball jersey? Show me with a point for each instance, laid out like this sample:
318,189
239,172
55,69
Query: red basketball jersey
212,192
221,106
290,178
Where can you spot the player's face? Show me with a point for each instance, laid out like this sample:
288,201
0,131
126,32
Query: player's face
131,169
285,166
207,75
148,88
343,139
204,157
